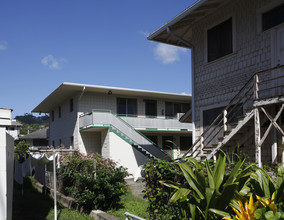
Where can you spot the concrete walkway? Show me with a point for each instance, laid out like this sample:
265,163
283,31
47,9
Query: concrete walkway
136,187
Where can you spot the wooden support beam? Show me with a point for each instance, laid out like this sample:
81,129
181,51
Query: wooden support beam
257,132
274,120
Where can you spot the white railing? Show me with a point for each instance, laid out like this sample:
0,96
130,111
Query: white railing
108,119
159,123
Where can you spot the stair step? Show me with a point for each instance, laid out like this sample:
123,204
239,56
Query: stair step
227,132
220,138
208,149
241,117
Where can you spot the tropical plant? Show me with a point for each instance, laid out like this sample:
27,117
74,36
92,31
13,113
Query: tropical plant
208,192
261,209
262,185
21,150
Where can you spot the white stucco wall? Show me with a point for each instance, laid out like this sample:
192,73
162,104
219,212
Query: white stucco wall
6,166
65,127
101,101
125,155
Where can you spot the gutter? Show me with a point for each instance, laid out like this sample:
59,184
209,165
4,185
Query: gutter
177,18
190,46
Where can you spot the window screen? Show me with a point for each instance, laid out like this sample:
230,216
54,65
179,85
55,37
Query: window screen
220,40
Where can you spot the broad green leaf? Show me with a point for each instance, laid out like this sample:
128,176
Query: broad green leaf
210,175
220,213
226,196
180,194
192,209
280,177
191,179
209,194
195,162
270,216
219,171
171,184
234,172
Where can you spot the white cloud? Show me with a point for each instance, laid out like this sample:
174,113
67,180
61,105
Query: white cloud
52,62
144,33
167,53
3,45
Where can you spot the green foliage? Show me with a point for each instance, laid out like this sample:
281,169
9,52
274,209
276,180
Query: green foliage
130,203
21,150
31,123
33,204
101,192
157,194
262,185
31,119
208,191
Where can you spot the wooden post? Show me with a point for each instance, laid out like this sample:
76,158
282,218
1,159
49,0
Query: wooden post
256,80
257,132
225,120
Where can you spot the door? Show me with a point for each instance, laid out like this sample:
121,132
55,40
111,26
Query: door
151,108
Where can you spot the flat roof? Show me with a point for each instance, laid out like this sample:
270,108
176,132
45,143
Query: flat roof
67,90
181,24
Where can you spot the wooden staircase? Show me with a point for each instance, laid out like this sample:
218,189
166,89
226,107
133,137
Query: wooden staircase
237,122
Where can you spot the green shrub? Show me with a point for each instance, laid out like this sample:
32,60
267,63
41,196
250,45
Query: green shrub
157,194
92,190
21,150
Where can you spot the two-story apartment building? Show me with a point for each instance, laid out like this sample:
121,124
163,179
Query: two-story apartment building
237,49
126,125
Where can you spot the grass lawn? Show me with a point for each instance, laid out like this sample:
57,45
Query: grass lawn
131,204
34,205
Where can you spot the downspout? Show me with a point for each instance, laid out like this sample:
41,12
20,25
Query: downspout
190,46
78,119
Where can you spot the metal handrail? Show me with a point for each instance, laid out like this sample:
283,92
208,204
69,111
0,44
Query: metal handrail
252,90
130,216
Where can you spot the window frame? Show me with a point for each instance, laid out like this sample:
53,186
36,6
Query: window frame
127,107
218,22
155,102
71,105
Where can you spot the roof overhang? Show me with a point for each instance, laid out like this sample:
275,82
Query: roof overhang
68,90
181,25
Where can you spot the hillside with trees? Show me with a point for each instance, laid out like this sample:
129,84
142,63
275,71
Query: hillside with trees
31,123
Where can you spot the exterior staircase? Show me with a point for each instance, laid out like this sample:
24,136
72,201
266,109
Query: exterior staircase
236,123
106,119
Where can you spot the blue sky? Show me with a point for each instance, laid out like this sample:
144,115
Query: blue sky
102,42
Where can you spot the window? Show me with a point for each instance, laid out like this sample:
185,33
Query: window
220,40
168,142
273,17
153,138
173,108
72,141
151,108
71,107
52,115
185,142
126,106
59,111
